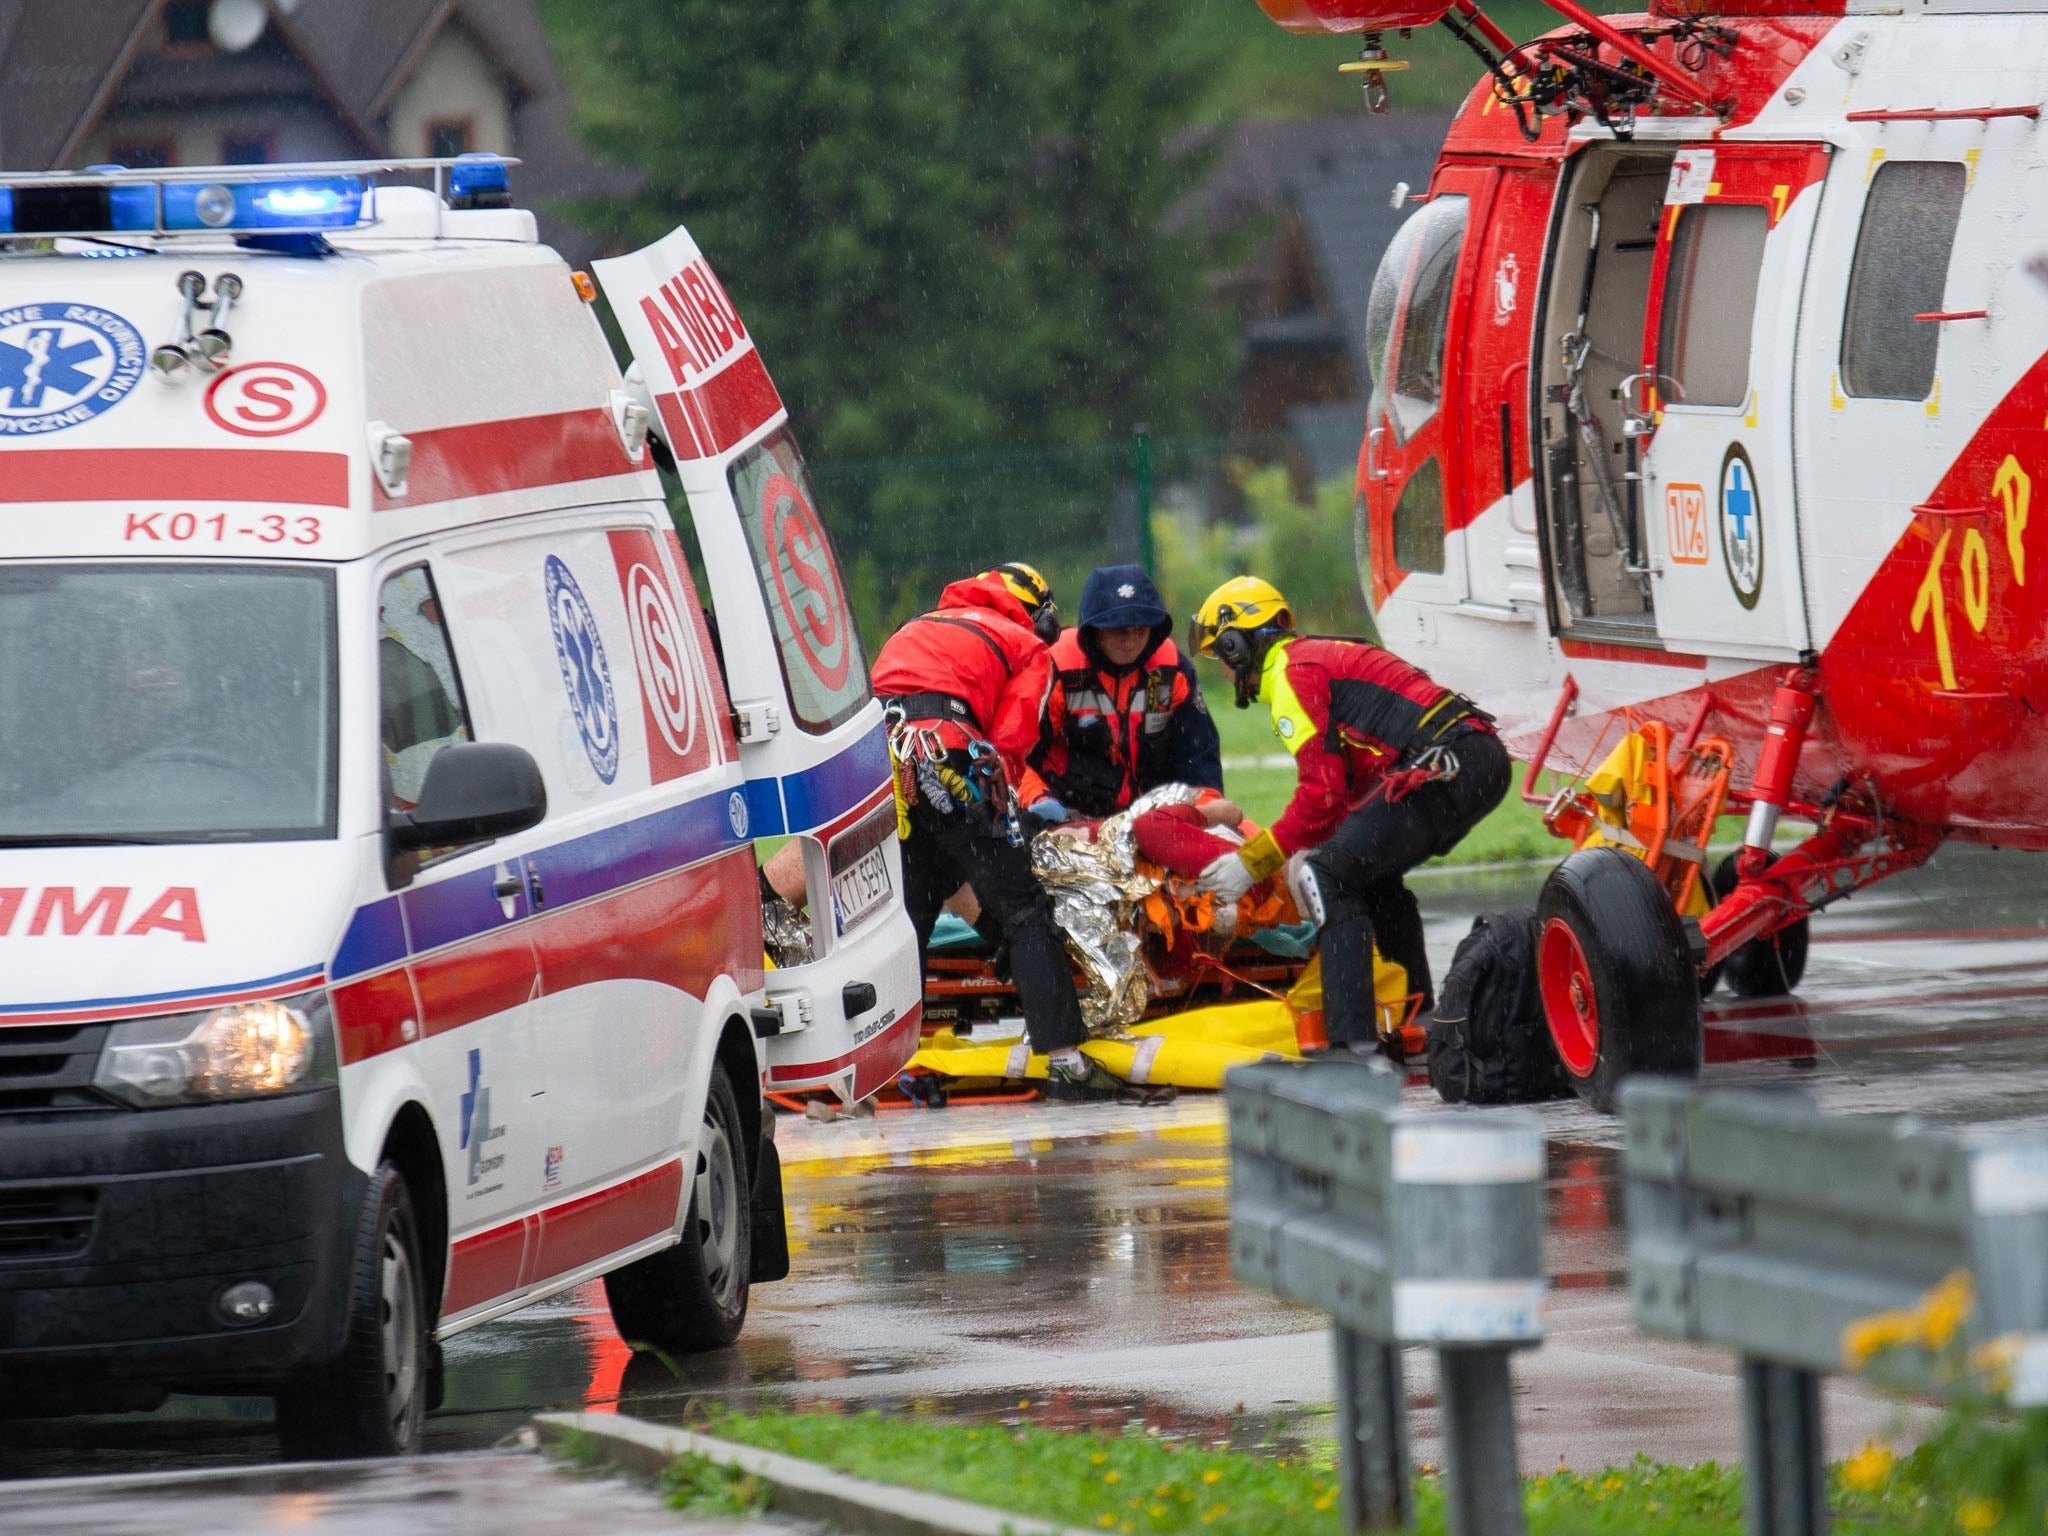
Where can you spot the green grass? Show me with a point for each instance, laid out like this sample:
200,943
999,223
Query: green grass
1140,1485
1512,831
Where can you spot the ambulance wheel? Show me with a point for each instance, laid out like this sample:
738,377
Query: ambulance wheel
371,1399
1616,976
693,1297
1769,967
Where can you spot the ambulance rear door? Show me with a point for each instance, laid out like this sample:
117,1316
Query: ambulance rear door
812,741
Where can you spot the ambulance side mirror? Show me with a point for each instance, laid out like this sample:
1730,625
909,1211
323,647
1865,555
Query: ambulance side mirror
473,790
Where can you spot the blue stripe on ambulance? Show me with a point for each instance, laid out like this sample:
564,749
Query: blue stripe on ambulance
448,911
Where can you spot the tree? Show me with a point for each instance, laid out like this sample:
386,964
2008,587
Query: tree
943,227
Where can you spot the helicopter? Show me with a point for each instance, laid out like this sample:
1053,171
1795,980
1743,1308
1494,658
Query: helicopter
1709,392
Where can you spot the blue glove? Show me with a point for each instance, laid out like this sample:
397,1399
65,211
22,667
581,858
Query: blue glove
1049,810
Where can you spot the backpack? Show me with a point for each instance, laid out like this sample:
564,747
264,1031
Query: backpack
1488,1042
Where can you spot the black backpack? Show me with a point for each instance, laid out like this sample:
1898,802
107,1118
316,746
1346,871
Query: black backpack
1488,1042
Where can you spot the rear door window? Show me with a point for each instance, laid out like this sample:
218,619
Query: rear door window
823,666
1900,271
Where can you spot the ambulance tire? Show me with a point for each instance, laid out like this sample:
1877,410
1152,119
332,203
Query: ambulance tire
1619,990
1769,967
371,1399
693,1296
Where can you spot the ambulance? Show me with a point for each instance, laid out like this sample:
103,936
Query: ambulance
380,917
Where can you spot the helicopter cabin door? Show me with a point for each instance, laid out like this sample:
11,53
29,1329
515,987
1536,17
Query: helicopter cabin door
1713,403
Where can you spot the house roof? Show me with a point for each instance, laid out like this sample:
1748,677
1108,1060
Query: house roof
62,63
1335,176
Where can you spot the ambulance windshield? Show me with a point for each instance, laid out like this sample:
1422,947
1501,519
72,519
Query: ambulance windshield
165,703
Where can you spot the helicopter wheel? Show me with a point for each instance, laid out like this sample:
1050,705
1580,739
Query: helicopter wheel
1619,989
1768,967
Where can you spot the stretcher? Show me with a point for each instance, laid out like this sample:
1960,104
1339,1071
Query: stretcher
1261,998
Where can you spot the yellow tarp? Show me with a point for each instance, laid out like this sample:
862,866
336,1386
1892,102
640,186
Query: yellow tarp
1188,1050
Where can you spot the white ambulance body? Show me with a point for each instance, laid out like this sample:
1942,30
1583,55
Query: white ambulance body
380,928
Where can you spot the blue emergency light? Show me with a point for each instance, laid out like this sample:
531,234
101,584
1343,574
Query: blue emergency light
276,200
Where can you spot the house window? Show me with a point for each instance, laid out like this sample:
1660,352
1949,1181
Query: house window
144,155
448,137
245,149
1901,268
185,28
1717,256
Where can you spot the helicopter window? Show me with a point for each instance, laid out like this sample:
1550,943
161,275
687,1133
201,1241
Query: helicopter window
1717,254
1419,521
1409,311
1901,269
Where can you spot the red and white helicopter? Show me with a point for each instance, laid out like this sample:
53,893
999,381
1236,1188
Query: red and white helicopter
1710,395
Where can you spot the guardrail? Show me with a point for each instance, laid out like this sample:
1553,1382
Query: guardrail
1407,1228
1759,1223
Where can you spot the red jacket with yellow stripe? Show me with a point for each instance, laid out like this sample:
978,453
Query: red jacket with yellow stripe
1347,711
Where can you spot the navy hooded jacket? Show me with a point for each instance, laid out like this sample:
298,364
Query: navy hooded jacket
1109,733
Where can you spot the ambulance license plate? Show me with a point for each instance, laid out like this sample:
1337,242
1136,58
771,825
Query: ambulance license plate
861,887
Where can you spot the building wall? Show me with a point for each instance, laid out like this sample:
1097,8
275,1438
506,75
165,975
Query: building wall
454,82
301,130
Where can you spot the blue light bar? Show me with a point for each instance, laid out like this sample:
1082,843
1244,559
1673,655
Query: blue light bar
267,205
477,179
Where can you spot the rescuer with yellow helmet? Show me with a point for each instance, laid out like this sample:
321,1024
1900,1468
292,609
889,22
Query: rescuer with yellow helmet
1391,769
1024,583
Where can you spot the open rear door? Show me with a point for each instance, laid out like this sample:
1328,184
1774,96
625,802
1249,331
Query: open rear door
812,741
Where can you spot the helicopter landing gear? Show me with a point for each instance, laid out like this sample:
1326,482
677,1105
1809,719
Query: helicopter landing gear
1616,972
1766,967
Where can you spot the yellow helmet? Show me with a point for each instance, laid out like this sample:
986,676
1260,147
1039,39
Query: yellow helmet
1032,590
1236,624
1243,603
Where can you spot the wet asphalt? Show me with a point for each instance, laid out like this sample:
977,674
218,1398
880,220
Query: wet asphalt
1068,1265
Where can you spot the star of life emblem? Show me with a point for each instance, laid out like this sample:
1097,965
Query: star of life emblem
62,364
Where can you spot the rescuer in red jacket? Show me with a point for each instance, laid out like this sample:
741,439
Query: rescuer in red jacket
1391,769
1126,712
963,686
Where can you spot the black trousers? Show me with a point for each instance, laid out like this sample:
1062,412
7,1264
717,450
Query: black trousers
1358,873
942,853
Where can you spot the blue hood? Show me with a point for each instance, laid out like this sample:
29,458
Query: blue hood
1121,597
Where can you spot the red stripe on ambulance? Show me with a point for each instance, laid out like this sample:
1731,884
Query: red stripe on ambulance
518,453
725,409
677,929
874,1061
288,475
564,1237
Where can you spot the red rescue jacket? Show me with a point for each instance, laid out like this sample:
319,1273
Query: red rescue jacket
976,646
1348,711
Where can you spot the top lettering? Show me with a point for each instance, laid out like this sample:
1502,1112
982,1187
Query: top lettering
694,323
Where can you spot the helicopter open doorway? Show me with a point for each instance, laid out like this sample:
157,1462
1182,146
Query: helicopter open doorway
1666,396
1605,240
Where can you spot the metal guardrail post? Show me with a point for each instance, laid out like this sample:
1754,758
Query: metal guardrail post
1407,1228
1760,1223
1372,1434
1785,1490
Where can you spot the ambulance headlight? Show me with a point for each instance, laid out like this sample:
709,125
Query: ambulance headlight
237,1051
